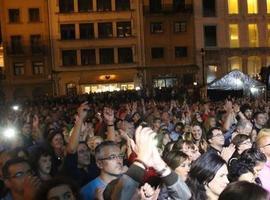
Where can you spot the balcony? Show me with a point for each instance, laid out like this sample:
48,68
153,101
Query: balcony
169,9
23,50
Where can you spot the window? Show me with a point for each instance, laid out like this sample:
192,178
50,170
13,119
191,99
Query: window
105,30
180,52
235,63
180,27
14,15
87,31
18,69
123,29
66,6
209,8
67,31
35,42
268,6
106,56
252,6
157,52
233,7
34,14
210,36
104,5
234,35
69,57
71,89
125,55
254,65
122,4
16,44
88,56
38,68
156,27
85,5
253,35
155,6
178,5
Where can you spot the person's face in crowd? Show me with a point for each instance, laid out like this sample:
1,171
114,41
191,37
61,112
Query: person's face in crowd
17,174
265,146
178,129
157,124
26,129
198,117
183,169
57,141
248,114
83,155
218,138
45,164
196,132
219,182
260,119
212,122
136,117
111,161
165,117
4,157
245,145
117,135
61,192
93,142
258,167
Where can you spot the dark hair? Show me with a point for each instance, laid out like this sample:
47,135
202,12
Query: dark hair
48,185
245,107
53,134
202,171
246,163
168,147
179,144
13,161
243,190
36,155
238,139
255,115
102,145
210,133
175,158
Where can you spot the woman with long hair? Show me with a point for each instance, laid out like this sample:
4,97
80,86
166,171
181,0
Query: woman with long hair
207,177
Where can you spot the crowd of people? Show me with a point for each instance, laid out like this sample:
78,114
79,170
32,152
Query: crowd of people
129,145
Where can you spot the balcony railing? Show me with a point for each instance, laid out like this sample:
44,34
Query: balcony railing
169,9
27,50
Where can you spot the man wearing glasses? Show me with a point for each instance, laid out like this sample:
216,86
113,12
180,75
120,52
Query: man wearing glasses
263,143
18,178
110,162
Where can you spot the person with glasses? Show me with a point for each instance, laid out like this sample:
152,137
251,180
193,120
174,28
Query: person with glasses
19,179
263,143
216,140
109,160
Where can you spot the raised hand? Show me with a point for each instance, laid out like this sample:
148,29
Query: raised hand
227,152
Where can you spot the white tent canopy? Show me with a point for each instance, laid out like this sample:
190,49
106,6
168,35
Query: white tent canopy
236,80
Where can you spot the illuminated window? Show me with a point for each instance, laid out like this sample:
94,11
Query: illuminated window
252,6
268,6
233,7
268,34
267,61
253,35
235,63
254,65
234,35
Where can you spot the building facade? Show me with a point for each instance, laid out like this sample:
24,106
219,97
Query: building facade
169,43
97,45
232,34
25,37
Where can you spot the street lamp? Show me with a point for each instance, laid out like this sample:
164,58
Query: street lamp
203,73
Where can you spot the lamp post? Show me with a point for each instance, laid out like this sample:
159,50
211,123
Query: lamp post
204,89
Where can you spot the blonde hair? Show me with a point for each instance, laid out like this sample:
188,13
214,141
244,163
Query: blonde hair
265,132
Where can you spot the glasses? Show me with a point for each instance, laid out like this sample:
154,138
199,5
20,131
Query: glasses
218,135
113,157
247,142
21,174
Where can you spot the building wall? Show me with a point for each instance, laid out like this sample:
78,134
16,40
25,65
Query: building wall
27,84
219,56
63,74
